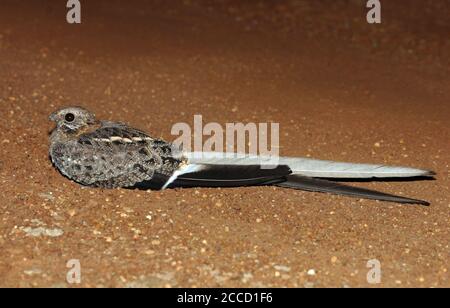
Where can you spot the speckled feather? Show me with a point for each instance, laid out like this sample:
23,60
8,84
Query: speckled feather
108,154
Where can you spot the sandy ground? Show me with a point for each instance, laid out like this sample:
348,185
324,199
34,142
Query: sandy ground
340,88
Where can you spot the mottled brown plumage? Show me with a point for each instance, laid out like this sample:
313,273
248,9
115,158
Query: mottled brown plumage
107,154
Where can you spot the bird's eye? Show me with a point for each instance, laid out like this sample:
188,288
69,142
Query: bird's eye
69,117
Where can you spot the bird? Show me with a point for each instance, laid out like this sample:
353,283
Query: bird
108,155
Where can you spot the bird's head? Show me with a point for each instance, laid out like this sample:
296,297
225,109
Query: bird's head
72,119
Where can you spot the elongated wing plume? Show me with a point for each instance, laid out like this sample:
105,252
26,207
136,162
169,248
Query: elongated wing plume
318,185
310,167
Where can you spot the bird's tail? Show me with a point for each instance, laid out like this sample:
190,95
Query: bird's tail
319,185
303,174
310,167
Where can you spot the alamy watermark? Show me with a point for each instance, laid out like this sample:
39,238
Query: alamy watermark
73,276
374,14
74,13
259,140
374,274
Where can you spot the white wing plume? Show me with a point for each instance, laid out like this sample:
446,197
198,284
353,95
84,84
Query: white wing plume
309,167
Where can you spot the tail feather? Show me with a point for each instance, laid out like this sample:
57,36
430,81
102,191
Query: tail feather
318,185
212,169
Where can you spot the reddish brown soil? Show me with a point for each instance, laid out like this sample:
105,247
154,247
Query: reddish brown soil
340,88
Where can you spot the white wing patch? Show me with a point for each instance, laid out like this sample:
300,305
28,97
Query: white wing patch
182,170
126,140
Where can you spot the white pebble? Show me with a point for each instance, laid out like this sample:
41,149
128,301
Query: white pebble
311,272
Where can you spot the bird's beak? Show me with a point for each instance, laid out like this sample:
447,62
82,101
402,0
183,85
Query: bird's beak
52,117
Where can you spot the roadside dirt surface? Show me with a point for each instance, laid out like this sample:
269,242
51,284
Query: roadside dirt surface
340,88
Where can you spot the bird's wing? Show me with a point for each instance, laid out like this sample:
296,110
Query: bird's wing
118,156
231,175
310,167
196,175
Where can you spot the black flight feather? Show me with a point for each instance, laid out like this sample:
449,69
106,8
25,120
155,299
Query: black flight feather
318,185
232,176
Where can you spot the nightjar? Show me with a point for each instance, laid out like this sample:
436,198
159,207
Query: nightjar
108,154
112,154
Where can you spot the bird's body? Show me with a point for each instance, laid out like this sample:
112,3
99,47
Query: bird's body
112,154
